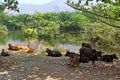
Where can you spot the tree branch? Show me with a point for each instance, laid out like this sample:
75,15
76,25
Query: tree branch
92,12
108,23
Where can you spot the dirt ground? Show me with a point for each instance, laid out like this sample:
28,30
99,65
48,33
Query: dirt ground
23,66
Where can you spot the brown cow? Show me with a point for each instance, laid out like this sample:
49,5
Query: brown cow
88,54
14,48
31,50
74,58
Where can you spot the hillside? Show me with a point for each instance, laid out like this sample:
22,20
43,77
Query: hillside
54,6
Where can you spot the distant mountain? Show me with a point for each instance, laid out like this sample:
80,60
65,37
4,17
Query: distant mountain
54,6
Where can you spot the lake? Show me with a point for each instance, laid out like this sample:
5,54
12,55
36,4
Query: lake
16,37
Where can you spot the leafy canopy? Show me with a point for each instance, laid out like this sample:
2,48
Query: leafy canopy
9,4
106,11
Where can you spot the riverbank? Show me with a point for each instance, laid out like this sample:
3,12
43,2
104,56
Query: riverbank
23,66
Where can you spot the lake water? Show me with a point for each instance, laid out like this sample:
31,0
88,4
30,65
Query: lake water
17,37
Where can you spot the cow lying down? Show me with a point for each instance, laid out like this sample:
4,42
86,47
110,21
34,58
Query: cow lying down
53,53
109,58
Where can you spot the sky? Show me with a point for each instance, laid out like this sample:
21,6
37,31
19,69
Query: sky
34,1
37,1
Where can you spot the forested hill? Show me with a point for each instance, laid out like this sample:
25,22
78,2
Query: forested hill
54,6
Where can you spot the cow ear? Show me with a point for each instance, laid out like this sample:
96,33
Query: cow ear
101,52
67,50
47,48
114,54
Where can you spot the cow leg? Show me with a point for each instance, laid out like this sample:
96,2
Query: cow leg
93,63
70,61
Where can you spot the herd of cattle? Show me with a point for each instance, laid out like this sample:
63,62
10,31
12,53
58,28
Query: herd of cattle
16,48
86,54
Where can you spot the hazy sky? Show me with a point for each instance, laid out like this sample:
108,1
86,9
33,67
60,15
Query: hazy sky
34,1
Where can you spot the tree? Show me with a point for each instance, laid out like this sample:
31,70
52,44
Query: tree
105,11
72,22
7,4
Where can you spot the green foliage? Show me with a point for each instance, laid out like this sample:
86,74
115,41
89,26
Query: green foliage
28,34
3,29
75,22
9,4
3,39
114,11
19,22
64,16
72,27
12,23
102,34
79,20
3,17
106,11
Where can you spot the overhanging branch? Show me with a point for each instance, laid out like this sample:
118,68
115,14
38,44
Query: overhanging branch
108,23
106,17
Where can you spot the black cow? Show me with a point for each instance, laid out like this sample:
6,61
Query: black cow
71,54
108,58
53,53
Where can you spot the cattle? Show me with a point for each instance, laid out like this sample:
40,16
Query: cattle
4,53
74,58
74,61
86,45
21,47
88,54
71,54
108,58
53,53
98,54
14,48
31,50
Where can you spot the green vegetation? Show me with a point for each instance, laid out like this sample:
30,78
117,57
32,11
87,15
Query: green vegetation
105,11
9,4
3,29
95,25
71,27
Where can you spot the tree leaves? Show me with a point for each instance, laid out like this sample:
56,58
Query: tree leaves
9,4
105,9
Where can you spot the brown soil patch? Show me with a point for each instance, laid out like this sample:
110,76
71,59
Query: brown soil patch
21,66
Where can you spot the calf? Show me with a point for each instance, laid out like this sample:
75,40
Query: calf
53,53
108,58
74,58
